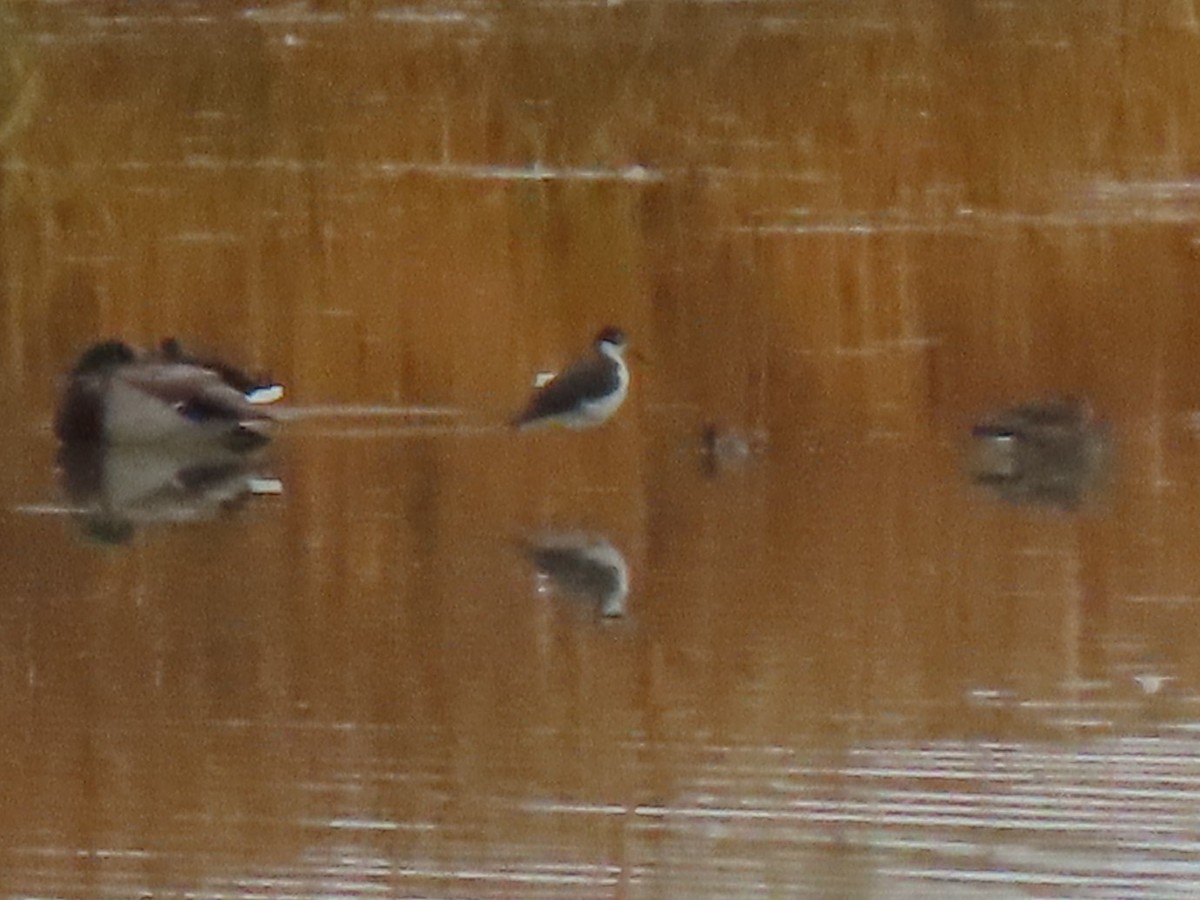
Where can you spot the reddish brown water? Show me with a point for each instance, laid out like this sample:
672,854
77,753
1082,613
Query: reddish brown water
844,229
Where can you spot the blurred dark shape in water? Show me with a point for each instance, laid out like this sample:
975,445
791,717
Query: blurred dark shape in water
583,566
724,448
1049,453
115,489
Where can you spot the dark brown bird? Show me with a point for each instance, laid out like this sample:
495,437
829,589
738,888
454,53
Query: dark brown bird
118,396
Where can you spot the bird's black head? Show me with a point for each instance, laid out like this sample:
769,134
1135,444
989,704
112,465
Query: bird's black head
103,357
611,335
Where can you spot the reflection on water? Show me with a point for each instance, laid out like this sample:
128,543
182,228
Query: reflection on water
584,566
849,226
1051,452
114,490
724,449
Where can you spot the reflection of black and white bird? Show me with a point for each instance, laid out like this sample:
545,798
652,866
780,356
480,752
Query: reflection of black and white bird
116,395
584,566
585,394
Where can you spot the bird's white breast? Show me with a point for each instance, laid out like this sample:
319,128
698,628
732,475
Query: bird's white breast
599,410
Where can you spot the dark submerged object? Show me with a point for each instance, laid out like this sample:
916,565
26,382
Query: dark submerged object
585,394
1049,452
116,395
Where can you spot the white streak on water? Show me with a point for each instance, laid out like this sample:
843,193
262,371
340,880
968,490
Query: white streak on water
364,412
632,174
357,825
431,17
45,509
293,14
1109,818
206,237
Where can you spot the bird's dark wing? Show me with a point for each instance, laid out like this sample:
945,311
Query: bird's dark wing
171,351
588,379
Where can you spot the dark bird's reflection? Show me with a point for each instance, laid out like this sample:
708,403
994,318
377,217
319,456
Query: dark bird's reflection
1051,453
114,489
585,566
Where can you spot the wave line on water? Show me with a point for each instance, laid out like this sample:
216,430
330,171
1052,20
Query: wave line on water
400,431
634,174
365,412
47,509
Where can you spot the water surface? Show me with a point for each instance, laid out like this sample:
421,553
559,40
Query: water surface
843,232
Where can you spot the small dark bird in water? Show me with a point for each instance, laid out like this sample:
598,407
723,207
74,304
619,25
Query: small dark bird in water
116,395
585,394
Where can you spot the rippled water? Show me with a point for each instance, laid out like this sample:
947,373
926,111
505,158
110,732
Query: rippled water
761,635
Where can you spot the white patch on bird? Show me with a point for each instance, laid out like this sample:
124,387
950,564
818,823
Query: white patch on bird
541,379
264,486
597,411
601,409
268,393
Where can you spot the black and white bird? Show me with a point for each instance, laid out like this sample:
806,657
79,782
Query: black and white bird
586,393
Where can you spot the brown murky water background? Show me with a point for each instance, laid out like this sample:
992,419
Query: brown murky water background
845,228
